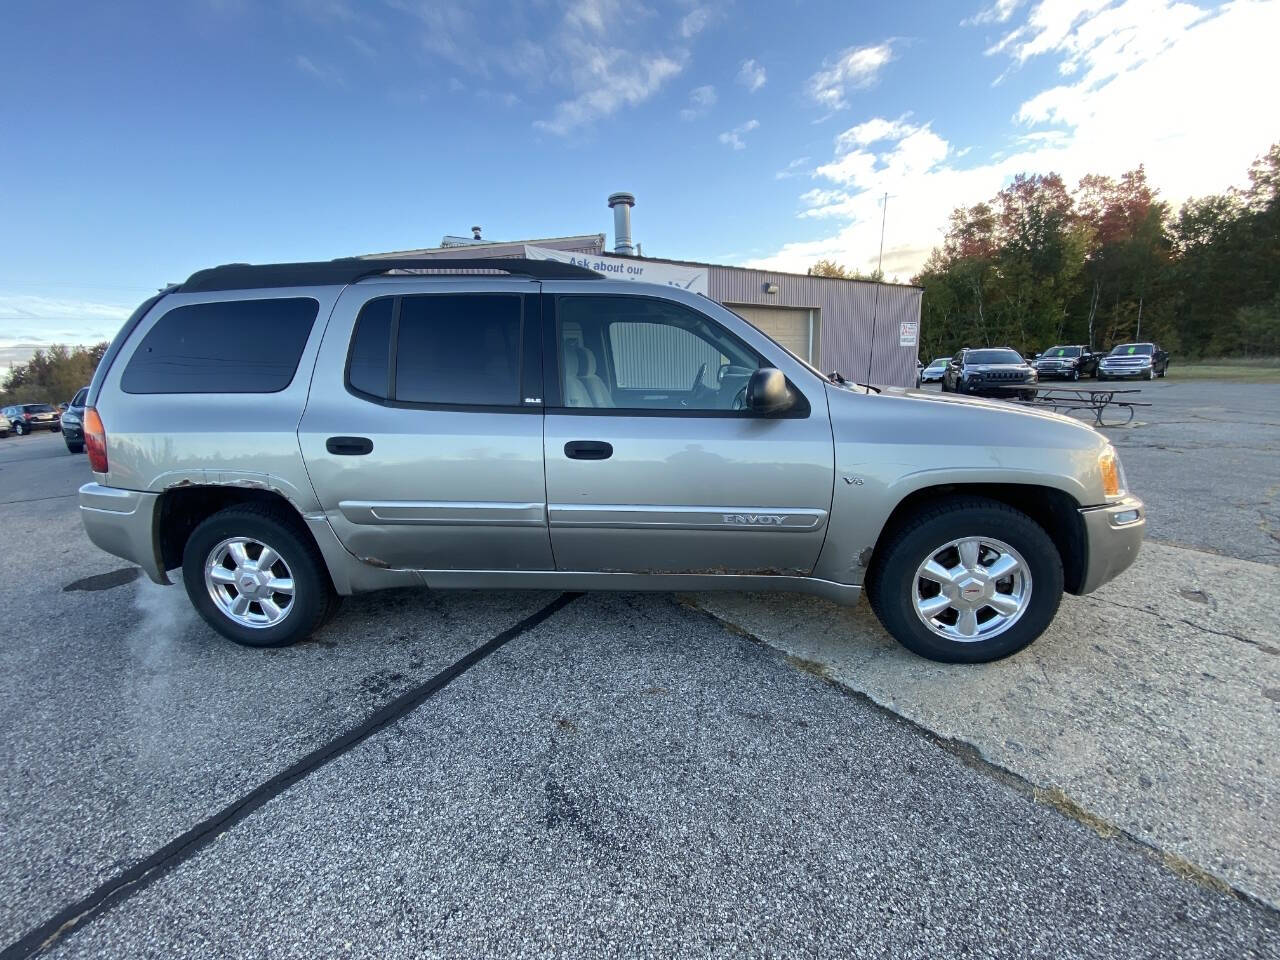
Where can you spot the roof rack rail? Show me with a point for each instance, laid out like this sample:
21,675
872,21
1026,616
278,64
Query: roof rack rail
256,276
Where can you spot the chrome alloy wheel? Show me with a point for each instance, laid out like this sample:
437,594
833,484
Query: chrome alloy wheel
249,582
972,589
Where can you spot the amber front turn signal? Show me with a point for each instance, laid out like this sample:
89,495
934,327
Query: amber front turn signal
1109,464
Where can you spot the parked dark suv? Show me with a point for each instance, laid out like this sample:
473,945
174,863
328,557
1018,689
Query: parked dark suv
73,422
33,416
1067,363
987,371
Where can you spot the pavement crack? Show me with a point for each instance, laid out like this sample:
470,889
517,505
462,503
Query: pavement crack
1264,647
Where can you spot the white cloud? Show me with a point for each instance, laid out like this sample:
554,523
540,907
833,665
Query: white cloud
605,79
308,66
597,59
1151,82
853,69
998,12
701,100
694,22
752,75
599,56
793,169
30,322
872,131
733,138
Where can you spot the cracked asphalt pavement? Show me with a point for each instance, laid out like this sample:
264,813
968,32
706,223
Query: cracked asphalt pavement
627,777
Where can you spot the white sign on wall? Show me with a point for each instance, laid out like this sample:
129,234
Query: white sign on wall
908,331
693,279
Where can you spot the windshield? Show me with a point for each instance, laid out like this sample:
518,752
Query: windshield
992,356
940,362
1061,352
39,408
1131,349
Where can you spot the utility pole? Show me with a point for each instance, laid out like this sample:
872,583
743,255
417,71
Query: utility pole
875,310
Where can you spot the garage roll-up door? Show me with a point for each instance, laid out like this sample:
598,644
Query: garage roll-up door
789,327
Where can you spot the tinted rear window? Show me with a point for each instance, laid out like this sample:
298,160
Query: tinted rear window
371,349
38,408
459,349
234,346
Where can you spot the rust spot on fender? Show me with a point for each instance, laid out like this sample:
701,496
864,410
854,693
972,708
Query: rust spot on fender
375,562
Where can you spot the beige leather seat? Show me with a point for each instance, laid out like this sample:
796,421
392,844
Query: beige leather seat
599,393
582,387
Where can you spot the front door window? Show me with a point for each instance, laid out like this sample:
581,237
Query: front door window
634,353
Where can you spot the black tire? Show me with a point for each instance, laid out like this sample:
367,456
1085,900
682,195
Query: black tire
891,579
314,600
20,429
73,447
56,429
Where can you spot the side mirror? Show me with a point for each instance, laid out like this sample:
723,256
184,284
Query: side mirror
767,392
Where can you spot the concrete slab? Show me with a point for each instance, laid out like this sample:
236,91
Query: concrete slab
1153,704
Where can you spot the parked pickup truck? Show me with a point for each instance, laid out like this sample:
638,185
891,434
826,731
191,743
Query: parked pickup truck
289,434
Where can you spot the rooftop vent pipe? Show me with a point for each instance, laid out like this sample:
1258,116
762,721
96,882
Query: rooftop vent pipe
621,204
475,233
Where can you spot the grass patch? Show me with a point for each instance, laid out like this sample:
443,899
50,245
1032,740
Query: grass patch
1237,369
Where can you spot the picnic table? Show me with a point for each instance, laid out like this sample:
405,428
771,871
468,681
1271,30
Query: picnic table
1100,401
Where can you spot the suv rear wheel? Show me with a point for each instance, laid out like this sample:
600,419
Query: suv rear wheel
967,580
255,578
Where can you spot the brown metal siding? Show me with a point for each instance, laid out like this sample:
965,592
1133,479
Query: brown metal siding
846,309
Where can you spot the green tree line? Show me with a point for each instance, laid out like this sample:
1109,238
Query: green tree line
51,376
1109,262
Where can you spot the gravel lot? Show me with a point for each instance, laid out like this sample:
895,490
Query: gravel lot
627,777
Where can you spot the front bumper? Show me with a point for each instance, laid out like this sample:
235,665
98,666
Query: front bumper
1113,534
122,522
1120,373
1056,373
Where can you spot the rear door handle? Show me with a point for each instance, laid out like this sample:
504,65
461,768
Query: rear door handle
349,446
588,450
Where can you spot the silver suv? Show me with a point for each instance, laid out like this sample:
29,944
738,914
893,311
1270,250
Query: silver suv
289,434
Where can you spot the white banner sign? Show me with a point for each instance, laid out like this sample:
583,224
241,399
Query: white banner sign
693,279
907,333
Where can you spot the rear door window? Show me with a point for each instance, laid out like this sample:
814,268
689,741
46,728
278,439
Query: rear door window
232,346
439,349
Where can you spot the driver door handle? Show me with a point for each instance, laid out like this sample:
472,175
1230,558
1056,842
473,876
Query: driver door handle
588,450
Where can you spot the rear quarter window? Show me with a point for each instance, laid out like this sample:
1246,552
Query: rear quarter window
232,346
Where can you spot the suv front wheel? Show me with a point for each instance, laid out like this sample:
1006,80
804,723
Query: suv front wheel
966,580
256,578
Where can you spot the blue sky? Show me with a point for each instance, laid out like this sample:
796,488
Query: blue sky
145,141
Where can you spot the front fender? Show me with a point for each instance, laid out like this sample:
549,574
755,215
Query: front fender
891,446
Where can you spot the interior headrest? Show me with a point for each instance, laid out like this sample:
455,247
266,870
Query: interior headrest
586,362
571,361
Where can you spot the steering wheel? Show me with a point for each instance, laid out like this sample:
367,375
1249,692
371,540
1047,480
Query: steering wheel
698,378
740,399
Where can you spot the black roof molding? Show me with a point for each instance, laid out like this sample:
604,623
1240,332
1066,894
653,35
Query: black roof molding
257,276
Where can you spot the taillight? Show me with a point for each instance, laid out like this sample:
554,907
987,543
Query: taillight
95,440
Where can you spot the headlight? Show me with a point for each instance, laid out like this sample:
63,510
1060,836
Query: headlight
1114,483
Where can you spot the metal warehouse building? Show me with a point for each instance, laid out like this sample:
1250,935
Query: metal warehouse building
865,330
